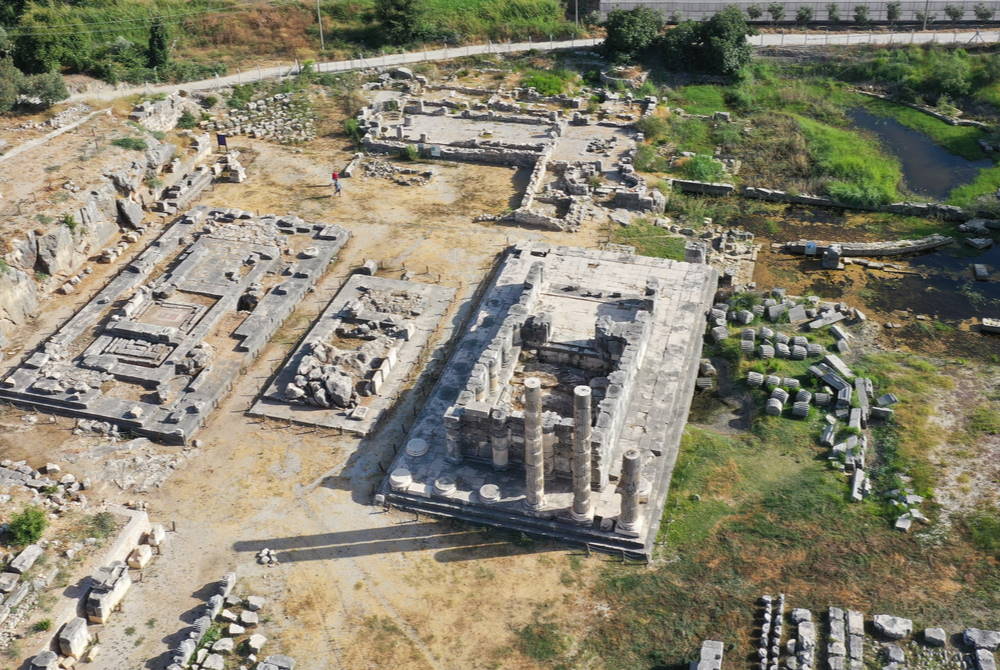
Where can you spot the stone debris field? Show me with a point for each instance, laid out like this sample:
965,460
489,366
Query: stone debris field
314,401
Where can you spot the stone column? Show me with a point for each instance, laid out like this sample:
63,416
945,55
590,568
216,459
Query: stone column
534,450
499,439
628,519
581,455
453,439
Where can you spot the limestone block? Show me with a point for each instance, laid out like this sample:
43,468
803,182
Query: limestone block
256,642
47,660
74,637
936,637
24,560
140,557
157,533
892,627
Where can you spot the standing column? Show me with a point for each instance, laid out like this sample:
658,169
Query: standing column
499,438
581,455
628,518
534,450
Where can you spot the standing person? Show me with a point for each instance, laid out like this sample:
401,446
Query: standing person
335,176
336,188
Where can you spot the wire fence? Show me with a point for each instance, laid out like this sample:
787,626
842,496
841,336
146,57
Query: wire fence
803,39
831,12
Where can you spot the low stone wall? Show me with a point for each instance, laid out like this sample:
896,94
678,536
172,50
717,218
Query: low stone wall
925,209
895,248
487,155
162,115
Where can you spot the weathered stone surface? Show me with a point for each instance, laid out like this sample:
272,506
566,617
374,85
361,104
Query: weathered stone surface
936,637
892,627
981,639
74,637
24,560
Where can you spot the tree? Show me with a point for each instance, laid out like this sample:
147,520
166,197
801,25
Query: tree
983,13
861,14
5,43
158,52
11,11
893,11
777,11
954,12
727,49
754,12
28,526
10,85
630,32
400,19
833,13
804,15
47,88
718,45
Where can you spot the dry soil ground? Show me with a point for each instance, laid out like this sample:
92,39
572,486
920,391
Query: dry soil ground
356,587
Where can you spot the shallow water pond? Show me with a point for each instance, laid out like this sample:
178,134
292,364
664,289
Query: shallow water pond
928,169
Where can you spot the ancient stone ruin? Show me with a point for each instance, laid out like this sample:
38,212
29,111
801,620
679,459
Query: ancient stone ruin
351,366
561,411
155,350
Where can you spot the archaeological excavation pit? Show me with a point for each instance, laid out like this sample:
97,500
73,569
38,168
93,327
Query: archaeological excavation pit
155,350
561,410
351,367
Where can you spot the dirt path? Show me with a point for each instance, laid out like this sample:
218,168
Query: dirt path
356,587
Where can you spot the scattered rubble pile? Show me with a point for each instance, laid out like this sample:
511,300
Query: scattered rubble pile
847,398
227,628
56,493
891,643
74,640
403,176
283,117
330,376
63,118
137,465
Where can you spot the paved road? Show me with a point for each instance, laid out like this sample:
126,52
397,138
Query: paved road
763,40
337,66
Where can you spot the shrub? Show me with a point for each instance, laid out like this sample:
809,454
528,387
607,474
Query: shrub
717,46
44,89
703,168
410,152
353,130
833,13
186,120
804,15
982,12
209,101
777,11
28,526
42,625
133,143
754,12
861,15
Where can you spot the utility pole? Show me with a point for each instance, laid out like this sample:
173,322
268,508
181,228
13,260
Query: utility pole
319,20
576,12
926,3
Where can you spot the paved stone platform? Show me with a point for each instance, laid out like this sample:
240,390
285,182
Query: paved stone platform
154,351
359,354
614,336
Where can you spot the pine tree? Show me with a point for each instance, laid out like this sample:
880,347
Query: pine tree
158,53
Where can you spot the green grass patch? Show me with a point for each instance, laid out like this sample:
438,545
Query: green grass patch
542,641
700,98
693,135
960,140
550,82
859,173
649,240
984,530
986,183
